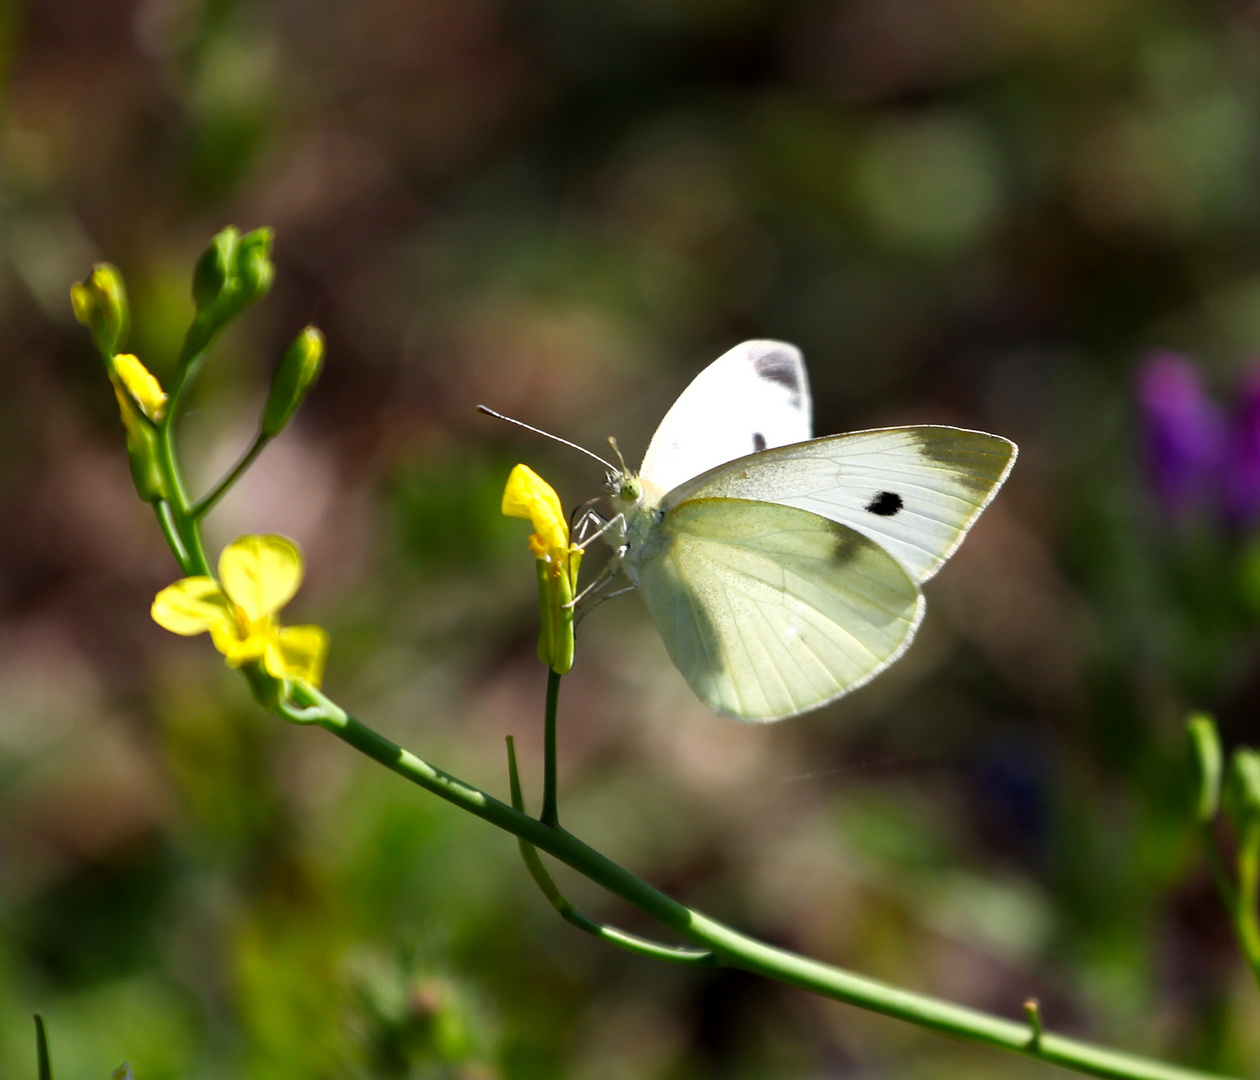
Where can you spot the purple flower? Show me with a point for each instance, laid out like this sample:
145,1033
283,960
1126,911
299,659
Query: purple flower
1185,438
1242,456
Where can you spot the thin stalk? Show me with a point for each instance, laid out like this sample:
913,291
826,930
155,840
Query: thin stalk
605,932
194,559
1240,902
733,948
43,1062
550,808
207,502
170,530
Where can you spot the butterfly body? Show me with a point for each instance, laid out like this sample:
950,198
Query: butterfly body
783,571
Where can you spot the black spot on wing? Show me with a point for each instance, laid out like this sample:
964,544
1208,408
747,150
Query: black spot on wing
781,367
885,504
759,442
848,545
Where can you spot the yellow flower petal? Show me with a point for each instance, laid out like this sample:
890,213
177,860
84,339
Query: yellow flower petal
239,650
529,496
192,606
141,385
298,652
260,574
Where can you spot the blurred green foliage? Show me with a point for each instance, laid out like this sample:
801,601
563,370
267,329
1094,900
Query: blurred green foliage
970,212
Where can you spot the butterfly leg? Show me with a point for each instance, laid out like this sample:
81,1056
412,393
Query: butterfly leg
617,521
600,600
605,575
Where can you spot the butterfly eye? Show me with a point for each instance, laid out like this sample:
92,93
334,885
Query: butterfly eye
759,442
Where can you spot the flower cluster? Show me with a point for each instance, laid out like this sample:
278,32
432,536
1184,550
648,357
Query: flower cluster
1200,459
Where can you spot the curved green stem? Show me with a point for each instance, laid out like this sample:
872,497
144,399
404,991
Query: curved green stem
207,502
621,938
730,946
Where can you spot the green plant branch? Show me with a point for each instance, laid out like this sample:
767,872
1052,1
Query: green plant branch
611,934
730,947
207,502
714,941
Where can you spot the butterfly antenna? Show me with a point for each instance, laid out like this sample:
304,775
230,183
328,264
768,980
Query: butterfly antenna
547,435
617,450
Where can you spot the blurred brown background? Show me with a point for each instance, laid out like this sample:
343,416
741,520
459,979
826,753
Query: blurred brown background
963,211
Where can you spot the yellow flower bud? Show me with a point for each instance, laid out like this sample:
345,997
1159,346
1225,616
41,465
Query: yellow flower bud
231,274
527,495
135,383
142,403
100,304
298,370
215,267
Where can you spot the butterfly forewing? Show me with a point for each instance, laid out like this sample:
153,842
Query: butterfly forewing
915,491
750,398
769,610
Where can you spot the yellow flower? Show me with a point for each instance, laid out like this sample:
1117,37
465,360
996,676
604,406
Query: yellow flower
258,575
529,496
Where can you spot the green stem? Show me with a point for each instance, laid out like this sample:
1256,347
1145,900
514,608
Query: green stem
43,1062
1240,902
207,502
1245,908
550,809
193,560
603,931
731,947
170,530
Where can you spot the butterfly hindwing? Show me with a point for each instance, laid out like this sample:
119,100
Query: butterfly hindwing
915,491
769,610
753,397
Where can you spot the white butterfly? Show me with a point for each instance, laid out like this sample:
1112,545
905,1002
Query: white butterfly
783,571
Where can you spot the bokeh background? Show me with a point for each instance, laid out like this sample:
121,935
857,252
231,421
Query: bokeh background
968,211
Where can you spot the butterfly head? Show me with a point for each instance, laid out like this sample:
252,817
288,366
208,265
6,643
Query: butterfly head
622,483
625,486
